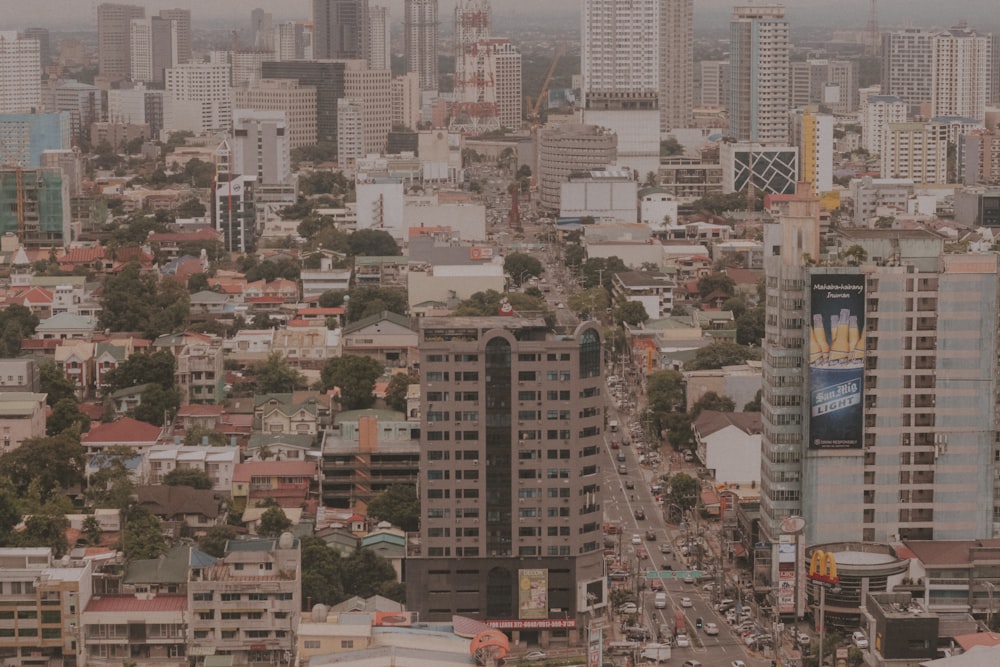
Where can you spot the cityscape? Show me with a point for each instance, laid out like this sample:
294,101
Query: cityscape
598,333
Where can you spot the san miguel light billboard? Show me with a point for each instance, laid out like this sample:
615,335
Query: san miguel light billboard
837,361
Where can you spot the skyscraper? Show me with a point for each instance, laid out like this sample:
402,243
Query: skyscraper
20,74
420,26
758,80
379,44
960,71
261,30
153,46
114,39
512,424
907,62
182,18
340,30
44,44
676,63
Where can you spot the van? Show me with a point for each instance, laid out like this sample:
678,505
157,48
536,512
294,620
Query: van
613,425
660,601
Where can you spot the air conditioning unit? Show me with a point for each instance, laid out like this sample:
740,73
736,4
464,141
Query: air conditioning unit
475,462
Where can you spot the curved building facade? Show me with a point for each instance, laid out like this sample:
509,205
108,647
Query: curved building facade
569,148
863,567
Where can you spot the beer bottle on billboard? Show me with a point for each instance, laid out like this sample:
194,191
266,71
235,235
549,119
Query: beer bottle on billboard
853,336
819,334
840,349
858,353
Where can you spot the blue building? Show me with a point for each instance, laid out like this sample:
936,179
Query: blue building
23,137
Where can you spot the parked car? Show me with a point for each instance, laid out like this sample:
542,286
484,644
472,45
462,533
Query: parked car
802,638
664,548
737,663
628,608
858,639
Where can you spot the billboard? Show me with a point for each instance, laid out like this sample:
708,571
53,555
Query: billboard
786,592
533,594
836,361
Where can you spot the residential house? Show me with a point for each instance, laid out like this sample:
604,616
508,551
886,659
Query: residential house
728,445
219,463
381,271
290,483
389,543
127,399
280,447
36,299
208,304
194,415
386,337
199,372
127,432
279,413
248,346
66,326
286,290
740,383
178,506
173,244
109,355
19,375
306,347
75,358
252,516
325,277
22,416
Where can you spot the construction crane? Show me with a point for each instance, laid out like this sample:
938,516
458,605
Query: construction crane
535,109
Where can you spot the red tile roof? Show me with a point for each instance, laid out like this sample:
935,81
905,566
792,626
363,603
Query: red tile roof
320,311
132,604
34,295
82,255
125,429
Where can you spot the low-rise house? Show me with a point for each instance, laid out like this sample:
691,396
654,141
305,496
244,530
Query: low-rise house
22,416
219,463
66,326
728,444
199,371
126,432
386,337
195,415
281,413
178,506
76,360
307,347
126,400
20,374
653,289
289,483
280,447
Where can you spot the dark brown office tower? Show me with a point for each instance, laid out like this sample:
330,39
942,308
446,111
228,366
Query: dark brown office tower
114,58
340,29
182,17
512,432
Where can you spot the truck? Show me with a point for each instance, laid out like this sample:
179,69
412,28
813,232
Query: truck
656,652
680,623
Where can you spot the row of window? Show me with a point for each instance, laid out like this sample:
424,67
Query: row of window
522,357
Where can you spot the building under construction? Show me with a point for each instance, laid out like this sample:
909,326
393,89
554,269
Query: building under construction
36,206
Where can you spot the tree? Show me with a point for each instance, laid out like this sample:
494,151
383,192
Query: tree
275,375
355,376
156,368
192,477
750,327
49,464
716,282
333,298
10,516
55,384
132,301
597,271
197,434
670,146
367,301
372,243
519,265
399,505
66,416
736,305
855,255
322,572
111,486
718,355
142,535
684,490
273,522
590,302
395,393
631,313
213,542
665,391
485,304
365,572
45,529
754,405
712,401
92,530
157,404
678,428
16,323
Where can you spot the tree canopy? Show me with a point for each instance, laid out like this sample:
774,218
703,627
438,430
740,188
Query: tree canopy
156,368
275,375
399,505
17,322
631,313
395,393
718,355
366,301
590,302
213,542
487,304
66,416
132,301
355,375
55,384
142,536
192,477
519,266
328,578
273,522
684,490
157,404
372,243
710,400
111,485
48,465
598,271
716,282
665,391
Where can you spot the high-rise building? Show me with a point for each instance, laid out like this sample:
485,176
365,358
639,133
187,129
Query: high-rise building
620,54
298,102
24,137
512,423
292,41
379,40
327,77
830,83
907,65
372,90
182,18
261,30
714,82
676,63
406,100
260,146
876,115
113,39
812,133
960,73
137,106
568,147
489,97
153,44
475,81
350,132
83,102
44,217
340,30
917,151
758,79
420,29
199,93
44,44
20,74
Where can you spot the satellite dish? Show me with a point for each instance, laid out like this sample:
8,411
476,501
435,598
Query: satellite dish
792,525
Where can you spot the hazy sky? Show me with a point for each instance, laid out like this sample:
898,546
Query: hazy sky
16,14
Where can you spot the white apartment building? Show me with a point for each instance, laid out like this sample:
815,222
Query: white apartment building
907,64
420,29
297,102
216,462
714,82
20,74
961,60
876,115
350,131
758,80
153,48
371,88
200,96
917,151
405,91
261,146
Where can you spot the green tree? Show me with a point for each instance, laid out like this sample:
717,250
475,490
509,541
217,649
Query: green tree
855,255
45,529
132,301
598,271
55,384
750,327
399,505
712,401
684,490
156,368
322,572
213,542
197,433
16,323
333,298
365,572
678,428
372,243
273,522
395,393
665,391
92,530
192,477
355,375
631,313
366,301
66,416
754,405
52,463
142,536
111,486
157,404
10,516
736,305
670,146
590,303
519,266
275,375
485,304
718,355
716,282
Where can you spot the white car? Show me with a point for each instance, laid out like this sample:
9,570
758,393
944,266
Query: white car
858,639
711,629
737,663
637,539
682,641
686,603
710,586
628,608
535,656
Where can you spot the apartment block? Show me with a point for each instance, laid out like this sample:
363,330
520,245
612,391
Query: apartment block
876,115
298,103
758,81
812,133
340,29
714,82
20,74
371,89
960,76
917,151
114,52
512,427
907,65
406,100
200,97
420,33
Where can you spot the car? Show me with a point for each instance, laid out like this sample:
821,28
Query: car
628,608
656,585
614,444
641,553
711,629
858,639
688,579
640,514
664,548
802,638
535,656
725,604
682,641
737,663
618,575
710,586
686,603
621,457
629,484
650,535
637,539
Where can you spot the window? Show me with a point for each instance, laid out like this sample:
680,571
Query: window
346,643
311,643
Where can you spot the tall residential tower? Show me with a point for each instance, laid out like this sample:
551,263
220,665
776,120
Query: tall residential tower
420,27
758,79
